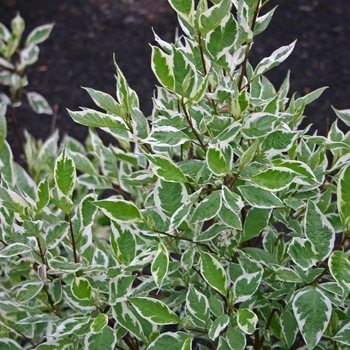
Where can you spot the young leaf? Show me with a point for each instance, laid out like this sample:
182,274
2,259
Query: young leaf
38,103
119,210
343,196
162,67
155,311
343,115
213,16
39,34
106,102
43,195
247,320
312,310
213,273
160,264
274,60
65,174
99,323
185,9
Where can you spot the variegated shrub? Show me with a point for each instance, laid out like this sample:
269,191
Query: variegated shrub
214,223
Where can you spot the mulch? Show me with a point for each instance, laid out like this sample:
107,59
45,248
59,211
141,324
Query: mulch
87,33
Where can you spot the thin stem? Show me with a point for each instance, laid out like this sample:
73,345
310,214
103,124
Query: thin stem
245,62
73,242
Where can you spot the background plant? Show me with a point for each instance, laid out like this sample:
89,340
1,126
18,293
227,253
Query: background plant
216,223
16,55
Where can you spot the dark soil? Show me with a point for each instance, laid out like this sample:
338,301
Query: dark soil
87,33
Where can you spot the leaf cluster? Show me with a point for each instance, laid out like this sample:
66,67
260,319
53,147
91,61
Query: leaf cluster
214,223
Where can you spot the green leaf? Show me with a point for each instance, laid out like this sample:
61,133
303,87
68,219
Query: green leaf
119,288
197,307
289,327
247,320
160,264
162,67
56,233
213,273
213,16
106,102
7,165
9,344
274,179
230,217
256,220
81,288
216,161
39,34
106,339
343,115
29,290
38,103
54,344
339,266
185,8
64,173
92,118
302,252
274,60
207,208
222,38
343,335
17,25
312,310
82,163
43,195
139,123
165,168
218,326
259,198
71,325
123,242
319,231
119,210
171,341
125,316
169,196
155,311
99,323
343,196
13,202
310,97
139,178
166,136
14,249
